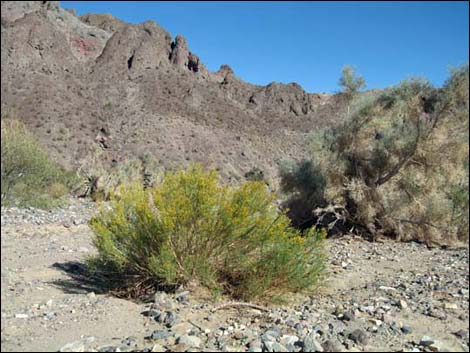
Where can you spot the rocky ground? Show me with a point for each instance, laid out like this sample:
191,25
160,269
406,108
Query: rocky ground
381,296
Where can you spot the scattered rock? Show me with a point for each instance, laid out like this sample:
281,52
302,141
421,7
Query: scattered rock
406,329
160,335
332,345
463,334
402,304
426,341
190,341
312,345
274,347
158,348
348,316
359,336
451,306
182,297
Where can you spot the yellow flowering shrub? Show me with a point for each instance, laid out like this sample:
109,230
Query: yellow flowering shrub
190,227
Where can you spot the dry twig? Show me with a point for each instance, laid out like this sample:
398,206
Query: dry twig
239,304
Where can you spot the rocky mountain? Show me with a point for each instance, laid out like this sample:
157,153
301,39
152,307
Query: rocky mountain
93,85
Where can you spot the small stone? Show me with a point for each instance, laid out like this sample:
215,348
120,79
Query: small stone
387,289
426,341
191,341
239,335
463,292
370,309
299,327
376,322
287,340
160,335
272,333
49,316
255,345
275,347
451,306
359,336
438,346
181,347
170,319
158,348
151,313
91,295
402,304
348,316
406,329
438,314
21,316
332,346
463,334
182,297
311,344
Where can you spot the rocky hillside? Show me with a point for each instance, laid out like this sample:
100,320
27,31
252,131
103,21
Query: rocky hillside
94,84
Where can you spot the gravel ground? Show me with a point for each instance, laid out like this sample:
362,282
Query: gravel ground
382,296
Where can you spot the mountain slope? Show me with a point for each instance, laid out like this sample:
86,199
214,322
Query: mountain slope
94,83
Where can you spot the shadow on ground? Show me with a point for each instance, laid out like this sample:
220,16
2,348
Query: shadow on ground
81,280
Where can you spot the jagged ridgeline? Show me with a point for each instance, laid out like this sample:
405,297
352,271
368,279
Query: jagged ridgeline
83,83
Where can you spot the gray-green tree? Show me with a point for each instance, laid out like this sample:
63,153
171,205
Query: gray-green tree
349,81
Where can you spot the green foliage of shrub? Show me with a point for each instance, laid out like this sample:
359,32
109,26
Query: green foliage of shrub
306,185
190,227
254,174
399,162
349,81
28,176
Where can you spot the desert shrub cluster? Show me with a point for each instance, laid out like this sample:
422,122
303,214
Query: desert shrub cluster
29,177
397,165
103,183
189,227
255,174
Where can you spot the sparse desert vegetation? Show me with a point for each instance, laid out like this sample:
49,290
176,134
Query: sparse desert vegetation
150,204
397,165
29,176
189,227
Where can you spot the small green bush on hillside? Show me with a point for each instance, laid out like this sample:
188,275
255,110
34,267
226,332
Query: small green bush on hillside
349,81
190,228
255,174
28,176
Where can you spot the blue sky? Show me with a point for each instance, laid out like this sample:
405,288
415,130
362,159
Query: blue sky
309,42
